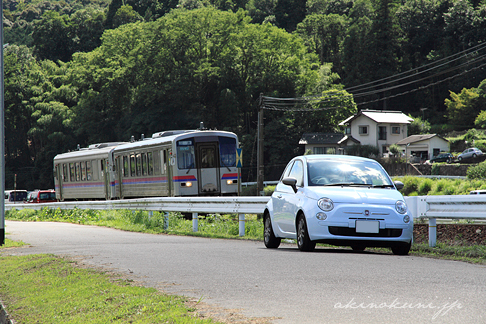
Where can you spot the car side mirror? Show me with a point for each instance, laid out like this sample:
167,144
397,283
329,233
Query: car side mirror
290,182
399,185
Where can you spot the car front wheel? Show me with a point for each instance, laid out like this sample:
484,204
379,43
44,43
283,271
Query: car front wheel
269,238
303,241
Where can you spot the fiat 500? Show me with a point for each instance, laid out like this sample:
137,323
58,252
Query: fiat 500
338,200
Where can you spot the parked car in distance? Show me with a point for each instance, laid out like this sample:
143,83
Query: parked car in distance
15,196
477,192
442,157
469,153
42,196
340,200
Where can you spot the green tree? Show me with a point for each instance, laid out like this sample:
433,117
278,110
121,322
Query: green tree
324,34
462,108
51,37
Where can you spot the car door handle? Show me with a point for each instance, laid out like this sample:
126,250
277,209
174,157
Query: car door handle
279,196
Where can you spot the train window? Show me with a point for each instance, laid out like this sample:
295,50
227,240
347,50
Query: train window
125,166
227,149
156,162
72,172
133,168
78,171
83,171
185,154
95,170
65,172
89,176
144,163
208,157
139,164
150,163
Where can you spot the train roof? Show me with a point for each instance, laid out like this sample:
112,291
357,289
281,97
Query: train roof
169,136
92,150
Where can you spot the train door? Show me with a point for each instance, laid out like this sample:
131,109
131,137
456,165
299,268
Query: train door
119,172
106,177
60,180
208,168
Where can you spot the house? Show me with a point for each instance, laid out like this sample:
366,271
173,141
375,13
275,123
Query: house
424,146
379,128
326,143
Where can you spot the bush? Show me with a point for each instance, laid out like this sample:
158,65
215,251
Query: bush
424,187
477,172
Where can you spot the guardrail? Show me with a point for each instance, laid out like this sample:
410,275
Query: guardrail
194,205
423,207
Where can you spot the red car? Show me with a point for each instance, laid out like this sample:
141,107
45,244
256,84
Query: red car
42,196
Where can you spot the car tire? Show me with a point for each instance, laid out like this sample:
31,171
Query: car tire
358,247
460,158
401,249
269,238
474,155
303,241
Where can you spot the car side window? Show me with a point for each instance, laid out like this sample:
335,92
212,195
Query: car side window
297,172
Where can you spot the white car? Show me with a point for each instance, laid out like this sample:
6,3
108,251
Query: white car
339,200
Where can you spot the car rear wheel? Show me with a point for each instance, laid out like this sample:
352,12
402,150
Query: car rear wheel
401,249
269,238
303,241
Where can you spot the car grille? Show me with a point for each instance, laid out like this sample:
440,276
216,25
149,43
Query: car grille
346,231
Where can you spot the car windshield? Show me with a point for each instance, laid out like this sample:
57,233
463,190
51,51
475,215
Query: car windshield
346,172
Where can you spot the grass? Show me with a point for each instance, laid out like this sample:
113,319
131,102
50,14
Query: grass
50,289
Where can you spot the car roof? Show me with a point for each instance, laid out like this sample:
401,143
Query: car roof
334,157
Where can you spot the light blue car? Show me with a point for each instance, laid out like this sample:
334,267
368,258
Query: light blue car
339,200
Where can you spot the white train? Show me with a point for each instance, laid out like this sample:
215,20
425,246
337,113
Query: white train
170,163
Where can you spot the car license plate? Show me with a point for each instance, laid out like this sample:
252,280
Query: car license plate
367,226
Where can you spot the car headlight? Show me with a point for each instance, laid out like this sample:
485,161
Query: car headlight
401,207
325,204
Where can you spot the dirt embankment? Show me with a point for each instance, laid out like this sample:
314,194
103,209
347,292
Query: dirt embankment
453,234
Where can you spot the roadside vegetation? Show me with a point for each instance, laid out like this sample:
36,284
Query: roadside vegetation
49,289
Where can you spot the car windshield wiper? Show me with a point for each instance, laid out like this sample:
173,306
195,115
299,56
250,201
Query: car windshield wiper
383,186
348,184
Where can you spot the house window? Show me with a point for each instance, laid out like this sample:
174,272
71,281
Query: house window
363,130
319,150
347,130
382,133
395,130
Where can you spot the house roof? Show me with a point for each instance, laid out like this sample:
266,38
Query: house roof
380,116
321,138
418,138
326,138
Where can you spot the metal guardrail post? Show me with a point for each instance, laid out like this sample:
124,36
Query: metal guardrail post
241,219
166,221
432,232
195,225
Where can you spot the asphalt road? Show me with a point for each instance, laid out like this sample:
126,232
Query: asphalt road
288,286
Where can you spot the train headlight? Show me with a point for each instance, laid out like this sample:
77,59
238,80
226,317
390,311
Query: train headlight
188,184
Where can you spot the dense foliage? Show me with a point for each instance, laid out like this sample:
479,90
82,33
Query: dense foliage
79,72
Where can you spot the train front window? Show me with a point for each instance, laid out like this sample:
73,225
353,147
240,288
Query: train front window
185,154
208,157
227,149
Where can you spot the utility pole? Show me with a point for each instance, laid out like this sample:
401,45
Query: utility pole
2,137
260,167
